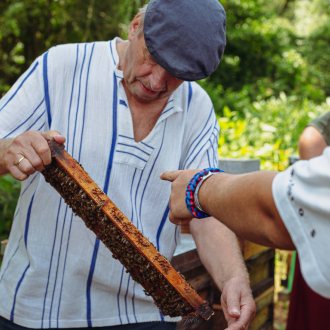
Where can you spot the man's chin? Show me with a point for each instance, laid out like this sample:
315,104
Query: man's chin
147,96
147,99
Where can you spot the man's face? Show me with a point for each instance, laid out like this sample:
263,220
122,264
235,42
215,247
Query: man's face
144,79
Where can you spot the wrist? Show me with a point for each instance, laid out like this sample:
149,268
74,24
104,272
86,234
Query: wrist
205,192
192,191
198,188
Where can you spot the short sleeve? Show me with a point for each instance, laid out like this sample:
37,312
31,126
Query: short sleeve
301,195
23,106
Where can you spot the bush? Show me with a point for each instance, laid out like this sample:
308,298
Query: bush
9,191
269,129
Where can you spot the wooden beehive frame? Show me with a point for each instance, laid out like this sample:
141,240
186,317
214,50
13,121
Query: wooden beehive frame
172,294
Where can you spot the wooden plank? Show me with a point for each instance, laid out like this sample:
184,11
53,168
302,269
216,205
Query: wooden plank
261,267
201,282
266,298
187,261
250,249
267,326
262,286
261,258
260,319
259,273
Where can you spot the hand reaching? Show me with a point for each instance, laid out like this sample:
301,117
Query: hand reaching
179,214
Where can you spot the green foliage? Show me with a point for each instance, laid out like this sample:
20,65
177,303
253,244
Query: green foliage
9,191
273,79
266,56
269,130
28,28
316,50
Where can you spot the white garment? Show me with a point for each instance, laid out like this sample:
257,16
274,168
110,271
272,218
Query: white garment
302,197
55,273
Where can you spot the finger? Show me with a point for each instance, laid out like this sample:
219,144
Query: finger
38,154
59,139
26,167
234,312
232,323
17,173
236,325
233,304
228,318
170,175
41,154
225,312
247,314
54,135
42,148
173,219
179,221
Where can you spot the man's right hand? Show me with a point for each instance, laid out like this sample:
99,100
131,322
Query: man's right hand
27,153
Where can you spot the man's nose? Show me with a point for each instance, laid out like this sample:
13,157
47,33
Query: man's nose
158,80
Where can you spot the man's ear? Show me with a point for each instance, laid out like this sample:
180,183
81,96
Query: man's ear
134,26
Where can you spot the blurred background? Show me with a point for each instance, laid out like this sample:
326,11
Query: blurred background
273,79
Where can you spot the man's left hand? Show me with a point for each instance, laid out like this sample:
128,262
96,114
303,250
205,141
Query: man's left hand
237,303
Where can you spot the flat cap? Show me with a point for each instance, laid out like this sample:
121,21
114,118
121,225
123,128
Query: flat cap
186,37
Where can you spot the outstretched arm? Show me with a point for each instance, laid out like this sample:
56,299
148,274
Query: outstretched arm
243,202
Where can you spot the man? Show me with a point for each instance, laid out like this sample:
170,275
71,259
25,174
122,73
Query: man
126,111
286,210
315,137
308,310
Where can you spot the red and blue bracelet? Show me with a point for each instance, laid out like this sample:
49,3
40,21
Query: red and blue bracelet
192,190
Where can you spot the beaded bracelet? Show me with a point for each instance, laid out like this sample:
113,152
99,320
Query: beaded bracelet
192,190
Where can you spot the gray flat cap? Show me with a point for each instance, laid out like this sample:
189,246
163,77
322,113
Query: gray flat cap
186,37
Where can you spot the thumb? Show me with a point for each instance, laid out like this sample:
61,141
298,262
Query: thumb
170,175
54,135
233,307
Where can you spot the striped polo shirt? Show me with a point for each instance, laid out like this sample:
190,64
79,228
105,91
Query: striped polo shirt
55,273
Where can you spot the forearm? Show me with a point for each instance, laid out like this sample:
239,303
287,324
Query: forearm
218,250
245,204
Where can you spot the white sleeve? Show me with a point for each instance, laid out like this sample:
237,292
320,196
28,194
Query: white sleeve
201,142
302,197
23,107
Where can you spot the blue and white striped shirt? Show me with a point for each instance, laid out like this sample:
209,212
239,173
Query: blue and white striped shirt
55,273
